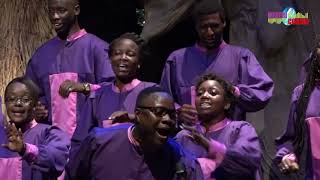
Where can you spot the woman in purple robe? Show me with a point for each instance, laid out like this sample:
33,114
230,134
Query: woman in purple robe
29,151
299,148
118,98
233,145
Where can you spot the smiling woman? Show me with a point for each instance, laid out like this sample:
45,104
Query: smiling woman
25,143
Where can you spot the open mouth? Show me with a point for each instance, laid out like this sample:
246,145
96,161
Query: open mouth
163,133
123,67
205,105
57,25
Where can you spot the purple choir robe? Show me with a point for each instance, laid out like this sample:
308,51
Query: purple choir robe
83,58
285,142
103,102
237,65
108,153
241,157
45,158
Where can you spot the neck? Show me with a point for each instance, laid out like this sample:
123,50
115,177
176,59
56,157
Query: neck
26,126
208,122
120,83
208,48
75,28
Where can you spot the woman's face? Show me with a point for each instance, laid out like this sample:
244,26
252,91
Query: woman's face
19,103
210,100
125,59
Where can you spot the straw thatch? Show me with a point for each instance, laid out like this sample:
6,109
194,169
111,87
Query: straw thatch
24,26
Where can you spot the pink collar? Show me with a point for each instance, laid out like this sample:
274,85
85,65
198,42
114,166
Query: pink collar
127,87
76,35
131,138
30,125
204,50
218,126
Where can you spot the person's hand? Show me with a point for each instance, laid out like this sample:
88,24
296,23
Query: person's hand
187,114
40,112
15,138
289,164
69,86
197,136
122,117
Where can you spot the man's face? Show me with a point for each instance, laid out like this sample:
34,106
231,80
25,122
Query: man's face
210,30
157,118
62,14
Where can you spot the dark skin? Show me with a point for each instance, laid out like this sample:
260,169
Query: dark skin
19,105
125,63
211,105
63,15
210,30
155,121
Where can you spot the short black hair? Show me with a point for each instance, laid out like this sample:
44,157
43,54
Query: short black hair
32,87
227,87
207,7
132,36
145,93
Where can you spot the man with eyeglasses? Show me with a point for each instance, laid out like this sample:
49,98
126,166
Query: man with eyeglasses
140,151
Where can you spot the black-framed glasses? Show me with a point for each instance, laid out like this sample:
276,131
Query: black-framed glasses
161,111
22,100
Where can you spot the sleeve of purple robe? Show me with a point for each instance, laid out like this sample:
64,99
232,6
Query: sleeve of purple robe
33,76
284,142
86,123
168,79
79,165
53,152
243,155
255,86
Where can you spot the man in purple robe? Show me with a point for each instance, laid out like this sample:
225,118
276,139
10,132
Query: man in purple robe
29,151
252,86
139,151
67,67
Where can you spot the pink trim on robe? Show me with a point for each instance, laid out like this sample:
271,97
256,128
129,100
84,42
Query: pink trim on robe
205,50
77,35
314,127
131,138
290,156
64,110
216,151
207,167
107,123
127,87
31,153
236,91
94,87
11,168
216,127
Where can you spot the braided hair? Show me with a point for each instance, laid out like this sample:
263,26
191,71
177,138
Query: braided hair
302,104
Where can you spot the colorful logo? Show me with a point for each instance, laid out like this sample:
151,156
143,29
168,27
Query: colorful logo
288,17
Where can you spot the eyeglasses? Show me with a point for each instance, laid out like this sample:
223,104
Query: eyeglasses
14,100
161,111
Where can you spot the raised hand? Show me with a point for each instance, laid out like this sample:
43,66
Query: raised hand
187,114
15,138
289,164
197,136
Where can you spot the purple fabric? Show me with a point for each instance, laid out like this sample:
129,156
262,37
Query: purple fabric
11,168
53,149
284,142
108,153
242,156
235,64
85,56
101,104
63,109
314,128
